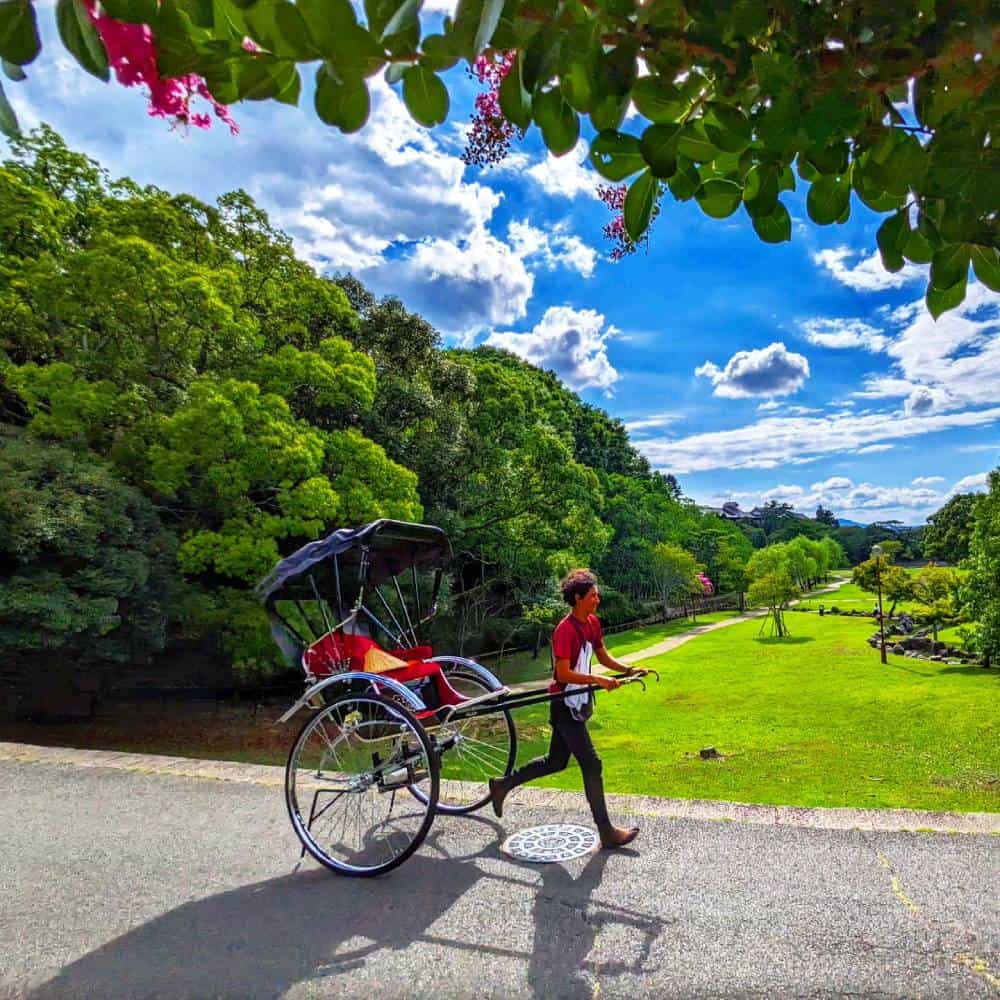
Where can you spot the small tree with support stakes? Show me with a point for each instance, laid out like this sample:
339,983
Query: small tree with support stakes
774,590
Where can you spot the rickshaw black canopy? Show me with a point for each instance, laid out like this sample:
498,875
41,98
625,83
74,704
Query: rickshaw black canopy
392,548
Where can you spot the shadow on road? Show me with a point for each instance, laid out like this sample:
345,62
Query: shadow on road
261,939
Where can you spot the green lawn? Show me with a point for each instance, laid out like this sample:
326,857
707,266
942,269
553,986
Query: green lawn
850,597
520,667
814,720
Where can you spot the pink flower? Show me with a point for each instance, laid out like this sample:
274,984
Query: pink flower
706,585
614,197
491,134
132,55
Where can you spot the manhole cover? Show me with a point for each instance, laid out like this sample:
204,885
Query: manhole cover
552,842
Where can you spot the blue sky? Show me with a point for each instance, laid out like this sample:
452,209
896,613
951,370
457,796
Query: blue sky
802,372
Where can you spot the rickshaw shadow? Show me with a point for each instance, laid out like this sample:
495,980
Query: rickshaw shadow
264,938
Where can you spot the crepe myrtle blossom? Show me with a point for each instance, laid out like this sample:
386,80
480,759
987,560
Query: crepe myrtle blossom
613,195
131,52
706,585
491,133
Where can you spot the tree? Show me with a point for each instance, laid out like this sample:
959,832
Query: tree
675,572
949,530
772,585
735,100
825,516
981,592
936,588
86,567
773,590
896,583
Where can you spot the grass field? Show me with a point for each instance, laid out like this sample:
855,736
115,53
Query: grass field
813,720
520,667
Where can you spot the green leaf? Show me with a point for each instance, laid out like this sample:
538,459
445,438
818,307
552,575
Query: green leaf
559,123
719,198
465,30
940,300
829,197
12,71
290,85
515,101
986,264
905,167
8,119
294,32
394,73
774,228
488,21
659,101
950,265
131,11
19,42
659,148
406,15
80,36
328,21
425,96
890,236
438,53
577,86
639,204
684,182
727,128
917,248
695,144
616,156
345,105
760,190
609,112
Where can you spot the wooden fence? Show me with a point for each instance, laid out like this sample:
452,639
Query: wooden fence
735,601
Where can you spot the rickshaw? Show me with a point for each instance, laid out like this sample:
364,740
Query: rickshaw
397,734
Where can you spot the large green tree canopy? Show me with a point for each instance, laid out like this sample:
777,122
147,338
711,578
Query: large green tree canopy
739,100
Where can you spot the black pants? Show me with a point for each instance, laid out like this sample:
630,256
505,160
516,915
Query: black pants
569,737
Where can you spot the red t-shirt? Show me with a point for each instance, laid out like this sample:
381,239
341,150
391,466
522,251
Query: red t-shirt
569,637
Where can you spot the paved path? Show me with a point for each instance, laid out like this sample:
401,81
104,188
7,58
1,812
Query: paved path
678,640
666,645
136,878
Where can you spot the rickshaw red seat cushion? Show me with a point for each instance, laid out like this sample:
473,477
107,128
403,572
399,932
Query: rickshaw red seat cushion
412,653
328,654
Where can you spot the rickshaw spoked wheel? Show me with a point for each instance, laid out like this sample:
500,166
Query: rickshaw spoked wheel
477,749
346,779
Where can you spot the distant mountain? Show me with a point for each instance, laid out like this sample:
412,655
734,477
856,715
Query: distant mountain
845,523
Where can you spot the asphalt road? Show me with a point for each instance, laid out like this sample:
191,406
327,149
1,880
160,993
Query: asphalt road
118,883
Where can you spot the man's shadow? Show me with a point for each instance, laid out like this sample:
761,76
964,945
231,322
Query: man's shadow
261,939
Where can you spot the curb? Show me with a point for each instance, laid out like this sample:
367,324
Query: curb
802,817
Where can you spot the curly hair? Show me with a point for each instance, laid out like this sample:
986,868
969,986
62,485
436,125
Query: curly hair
575,584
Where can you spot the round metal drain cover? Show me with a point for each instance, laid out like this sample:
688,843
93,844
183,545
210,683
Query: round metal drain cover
552,842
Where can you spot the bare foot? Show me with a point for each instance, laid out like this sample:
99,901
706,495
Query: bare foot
618,836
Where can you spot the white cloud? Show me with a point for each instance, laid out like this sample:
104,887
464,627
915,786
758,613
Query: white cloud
841,333
465,285
866,274
787,493
776,441
771,404
863,501
874,449
653,422
769,371
985,446
556,248
833,483
572,342
970,484
566,176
